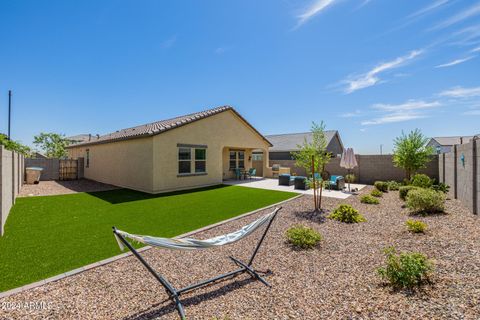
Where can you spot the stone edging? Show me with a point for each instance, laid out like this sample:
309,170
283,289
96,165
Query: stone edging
127,254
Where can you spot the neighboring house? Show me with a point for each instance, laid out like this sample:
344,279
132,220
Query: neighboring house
445,144
190,151
80,138
284,144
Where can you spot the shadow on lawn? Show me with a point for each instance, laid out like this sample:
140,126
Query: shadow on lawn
194,300
128,195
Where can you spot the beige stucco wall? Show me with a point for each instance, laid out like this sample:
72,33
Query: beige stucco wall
125,163
220,133
150,164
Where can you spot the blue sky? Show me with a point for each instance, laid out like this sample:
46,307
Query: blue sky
367,68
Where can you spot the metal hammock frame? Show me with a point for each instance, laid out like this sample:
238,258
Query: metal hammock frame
174,294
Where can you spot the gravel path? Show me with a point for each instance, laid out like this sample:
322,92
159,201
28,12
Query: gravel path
335,281
48,188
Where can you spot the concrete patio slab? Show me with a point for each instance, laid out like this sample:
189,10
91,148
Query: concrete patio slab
272,184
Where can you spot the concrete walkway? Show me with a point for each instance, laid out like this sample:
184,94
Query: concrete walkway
272,184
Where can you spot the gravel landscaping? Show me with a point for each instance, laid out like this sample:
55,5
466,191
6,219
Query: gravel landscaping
49,188
336,280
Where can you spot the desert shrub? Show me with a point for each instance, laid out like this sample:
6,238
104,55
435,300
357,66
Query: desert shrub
442,187
350,178
368,199
303,237
403,191
405,270
376,193
425,201
346,213
381,186
393,185
421,180
416,226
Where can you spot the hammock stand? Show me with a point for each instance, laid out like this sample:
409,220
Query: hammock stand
174,294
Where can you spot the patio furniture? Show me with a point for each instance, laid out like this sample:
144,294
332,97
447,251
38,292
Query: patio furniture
195,244
275,170
252,172
285,180
301,183
336,183
238,173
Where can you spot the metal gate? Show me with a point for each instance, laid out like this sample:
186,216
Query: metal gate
68,169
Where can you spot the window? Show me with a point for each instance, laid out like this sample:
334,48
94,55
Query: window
257,156
200,160
192,159
87,164
184,160
237,160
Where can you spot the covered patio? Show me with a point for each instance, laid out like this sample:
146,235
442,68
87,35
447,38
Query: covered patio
272,184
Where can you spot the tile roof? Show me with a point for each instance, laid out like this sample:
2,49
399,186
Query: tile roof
290,141
161,126
450,141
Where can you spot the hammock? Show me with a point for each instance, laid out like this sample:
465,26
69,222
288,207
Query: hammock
195,244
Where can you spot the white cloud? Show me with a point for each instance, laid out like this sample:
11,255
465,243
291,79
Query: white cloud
315,8
472,113
169,42
454,62
354,114
410,110
428,9
221,50
477,49
407,106
460,92
371,78
465,14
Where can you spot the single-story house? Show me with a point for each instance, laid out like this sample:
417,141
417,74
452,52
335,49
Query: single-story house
80,138
445,144
195,150
284,144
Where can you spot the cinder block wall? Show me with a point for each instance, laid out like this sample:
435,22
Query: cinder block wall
461,169
11,180
51,167
370,168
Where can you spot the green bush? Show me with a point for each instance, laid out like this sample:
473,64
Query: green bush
421,180
381,186
303,237
368,199
346,213
350,178
393,185
403,191
376,193
442,187
425,201
405,270
416,226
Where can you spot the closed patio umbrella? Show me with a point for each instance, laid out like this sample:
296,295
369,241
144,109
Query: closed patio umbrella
348,161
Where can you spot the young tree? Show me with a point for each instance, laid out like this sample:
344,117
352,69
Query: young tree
53,144
14,145
411,152
313,156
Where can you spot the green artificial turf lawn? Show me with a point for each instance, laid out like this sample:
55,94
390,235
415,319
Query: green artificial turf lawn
47,236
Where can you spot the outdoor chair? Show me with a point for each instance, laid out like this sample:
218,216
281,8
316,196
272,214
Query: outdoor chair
285,180
238,173
252,172
336,183
301,183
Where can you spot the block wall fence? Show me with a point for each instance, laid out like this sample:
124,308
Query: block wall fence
12,166
460,169
370,168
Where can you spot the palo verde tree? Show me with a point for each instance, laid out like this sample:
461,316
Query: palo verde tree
411,152
313,156
53,144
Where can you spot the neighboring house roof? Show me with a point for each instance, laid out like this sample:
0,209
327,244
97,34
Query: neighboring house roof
291,141
154,128
450,141
80,138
